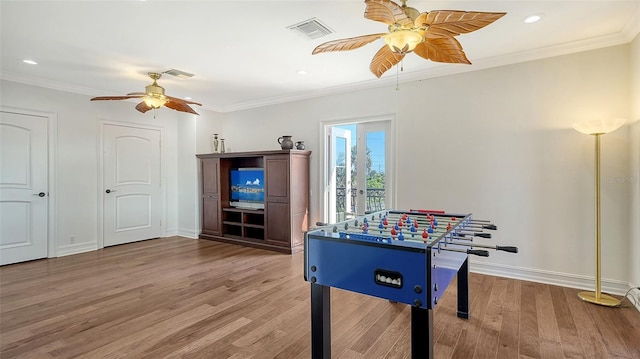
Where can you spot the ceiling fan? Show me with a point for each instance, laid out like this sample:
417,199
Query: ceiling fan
154,98
429,34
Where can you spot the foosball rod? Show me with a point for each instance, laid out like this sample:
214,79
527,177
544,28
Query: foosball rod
438,212
475,252
428,225
407,232
510,249
407,228
470,223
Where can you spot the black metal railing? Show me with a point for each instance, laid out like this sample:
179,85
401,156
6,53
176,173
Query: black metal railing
374,201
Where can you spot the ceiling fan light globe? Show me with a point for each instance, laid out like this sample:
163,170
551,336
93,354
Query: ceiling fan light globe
154,101
404,41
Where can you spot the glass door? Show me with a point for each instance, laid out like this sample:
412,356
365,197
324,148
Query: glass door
339,170
356,169
370,173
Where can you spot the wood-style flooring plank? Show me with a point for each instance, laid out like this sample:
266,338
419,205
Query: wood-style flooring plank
185,298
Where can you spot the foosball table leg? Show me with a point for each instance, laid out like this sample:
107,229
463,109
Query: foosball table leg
421,333
320,322
463,290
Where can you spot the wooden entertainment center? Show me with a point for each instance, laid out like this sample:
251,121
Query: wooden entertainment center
280,226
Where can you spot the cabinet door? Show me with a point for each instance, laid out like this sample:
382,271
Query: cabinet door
210,176
211,220
277,178
210,215
278,228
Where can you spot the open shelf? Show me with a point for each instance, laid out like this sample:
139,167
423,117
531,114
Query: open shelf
246,223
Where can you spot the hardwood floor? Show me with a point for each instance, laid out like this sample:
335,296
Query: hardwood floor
186,298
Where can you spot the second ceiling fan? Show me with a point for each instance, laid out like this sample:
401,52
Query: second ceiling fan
154,98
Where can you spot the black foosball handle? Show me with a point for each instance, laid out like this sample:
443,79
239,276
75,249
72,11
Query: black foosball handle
483,235
490,226
510,249
478,252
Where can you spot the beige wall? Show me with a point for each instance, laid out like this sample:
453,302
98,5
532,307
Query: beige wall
498,143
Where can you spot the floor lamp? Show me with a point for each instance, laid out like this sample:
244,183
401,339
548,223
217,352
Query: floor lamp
598,128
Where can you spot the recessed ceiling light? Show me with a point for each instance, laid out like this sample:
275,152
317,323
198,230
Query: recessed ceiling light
301,72
30,62
532,18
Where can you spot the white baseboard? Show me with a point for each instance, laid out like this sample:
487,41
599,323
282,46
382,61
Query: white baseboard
187,232
635,294
170,232
76,248
549,277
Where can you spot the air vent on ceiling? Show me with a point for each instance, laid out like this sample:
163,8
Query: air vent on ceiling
178,73
311,28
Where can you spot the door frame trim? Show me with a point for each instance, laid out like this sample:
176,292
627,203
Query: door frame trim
323,159
100,185
52,156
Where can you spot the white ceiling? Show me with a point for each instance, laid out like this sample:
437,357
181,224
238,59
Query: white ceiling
243,55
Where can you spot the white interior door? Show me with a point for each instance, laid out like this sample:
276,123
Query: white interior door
132,184
23,187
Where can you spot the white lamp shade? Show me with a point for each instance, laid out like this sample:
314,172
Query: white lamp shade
598,127
404,41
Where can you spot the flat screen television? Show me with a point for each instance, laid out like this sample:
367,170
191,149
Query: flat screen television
247,188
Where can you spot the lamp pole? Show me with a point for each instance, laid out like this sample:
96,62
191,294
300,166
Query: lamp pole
597,129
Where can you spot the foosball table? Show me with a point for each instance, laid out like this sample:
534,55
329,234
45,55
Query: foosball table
408,257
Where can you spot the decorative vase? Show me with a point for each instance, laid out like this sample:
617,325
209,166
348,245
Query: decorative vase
215,143
222,150
285,142
300,145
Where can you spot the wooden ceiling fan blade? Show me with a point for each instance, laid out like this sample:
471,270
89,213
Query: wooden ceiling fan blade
185,101
386,11
384,60
442,49
143,107
102,98
346,44
457,22
179,105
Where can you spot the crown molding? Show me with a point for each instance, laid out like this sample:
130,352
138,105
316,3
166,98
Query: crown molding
46,83
628,33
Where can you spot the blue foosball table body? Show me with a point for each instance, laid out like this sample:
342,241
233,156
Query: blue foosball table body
409,268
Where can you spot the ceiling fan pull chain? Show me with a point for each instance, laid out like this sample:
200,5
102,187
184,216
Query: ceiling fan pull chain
397,82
